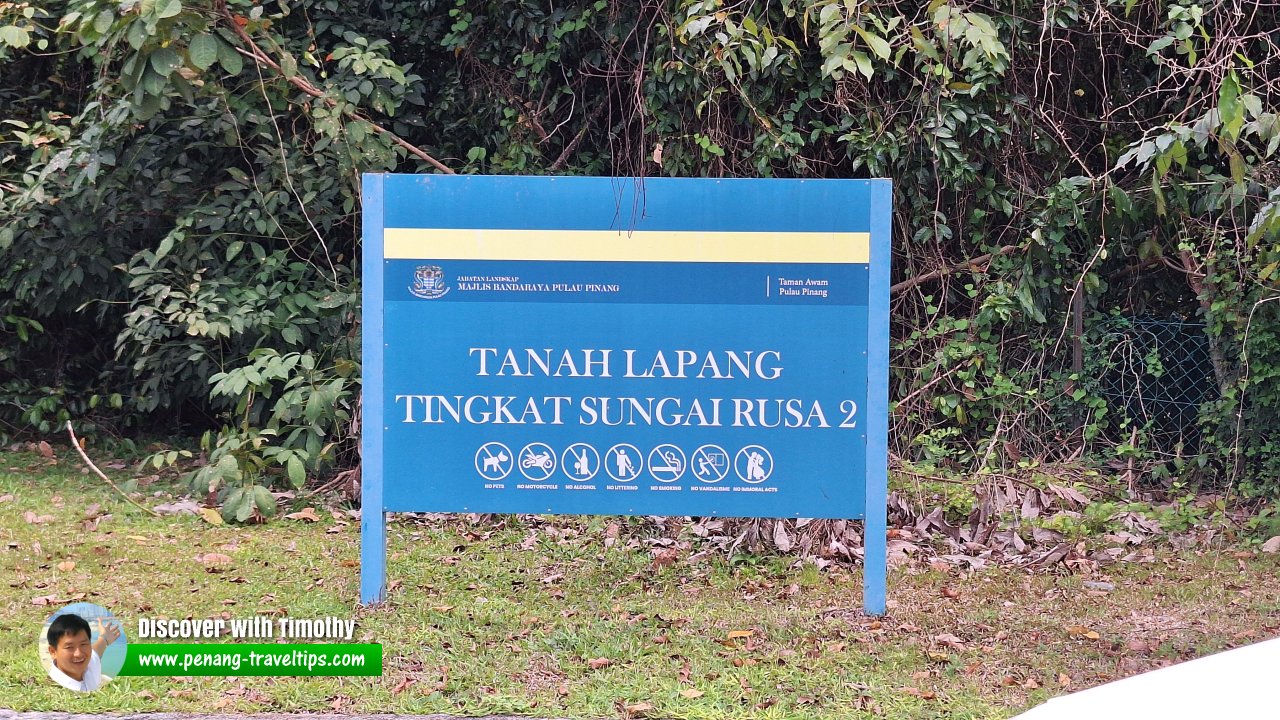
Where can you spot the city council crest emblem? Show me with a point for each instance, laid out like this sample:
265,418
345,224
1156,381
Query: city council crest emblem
428,282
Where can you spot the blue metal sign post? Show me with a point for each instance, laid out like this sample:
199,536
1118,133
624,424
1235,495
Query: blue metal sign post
612,346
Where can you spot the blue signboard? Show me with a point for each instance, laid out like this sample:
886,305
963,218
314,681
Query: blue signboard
617,346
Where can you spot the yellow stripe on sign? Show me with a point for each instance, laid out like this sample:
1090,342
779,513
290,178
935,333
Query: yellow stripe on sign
614,246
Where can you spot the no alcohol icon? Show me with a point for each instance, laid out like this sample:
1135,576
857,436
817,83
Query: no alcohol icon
580,461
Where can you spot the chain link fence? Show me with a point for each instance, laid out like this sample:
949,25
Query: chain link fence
1155,375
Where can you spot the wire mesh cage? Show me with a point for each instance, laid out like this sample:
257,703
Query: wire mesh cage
1156,374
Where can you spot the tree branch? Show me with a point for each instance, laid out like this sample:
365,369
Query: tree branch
261,58
573,144
75,443
977,263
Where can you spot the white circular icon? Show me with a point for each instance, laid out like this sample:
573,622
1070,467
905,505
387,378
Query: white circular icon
710,464
493,461
753,464
623,462
537,461
580,462
667,463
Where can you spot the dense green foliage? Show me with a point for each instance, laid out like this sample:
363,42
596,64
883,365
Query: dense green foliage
179,188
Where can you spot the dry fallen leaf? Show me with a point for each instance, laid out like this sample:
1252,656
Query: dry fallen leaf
177,507
46,449
666,558
211,516
67,565
691,693
1082,631
1064,680
307,514
215,559
735,634
638,708
950,641
597,663
1272,545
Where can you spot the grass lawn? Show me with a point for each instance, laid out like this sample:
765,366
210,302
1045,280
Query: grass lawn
545,617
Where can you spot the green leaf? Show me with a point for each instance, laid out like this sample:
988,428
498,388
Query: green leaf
297,474
1028,304
1121,199
923,46
102,22
288,65
1230,109
161,9
1236,162
1150,248
136,35
153,84
862,62
164,61
166,244
829,14
14,36
229,59
1159,44
203,51
244,509
228,468
264,501
231,504
1252,105
878,45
